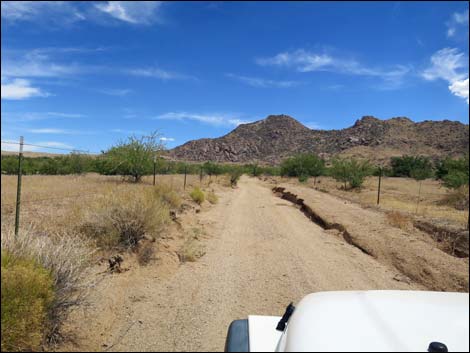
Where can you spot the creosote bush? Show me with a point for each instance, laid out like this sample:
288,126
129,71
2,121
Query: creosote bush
197,195
235,175
124,215
27,295
64,257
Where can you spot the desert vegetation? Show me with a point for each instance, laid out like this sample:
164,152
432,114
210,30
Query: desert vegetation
62,233
63,230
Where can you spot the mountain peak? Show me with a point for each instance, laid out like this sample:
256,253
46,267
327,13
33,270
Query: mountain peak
279,136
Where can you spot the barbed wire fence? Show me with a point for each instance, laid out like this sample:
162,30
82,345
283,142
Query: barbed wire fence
21,150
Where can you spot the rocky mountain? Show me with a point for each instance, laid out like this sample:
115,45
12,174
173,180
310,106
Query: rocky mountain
279,136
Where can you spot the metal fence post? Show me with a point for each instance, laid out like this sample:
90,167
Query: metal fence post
154,168
185,172
18,188
380,182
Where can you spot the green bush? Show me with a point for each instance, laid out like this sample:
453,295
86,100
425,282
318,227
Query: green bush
27,294
350,171
411,166
197,195
303,166
454,172
235,175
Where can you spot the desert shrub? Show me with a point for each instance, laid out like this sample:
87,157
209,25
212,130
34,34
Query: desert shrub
27,295
211,168
65,256
122,217
235,175
454,172
145,254
350,171
411,166
191,249
457,198
197,195
456,179
168,195
449,166
212,197
398,219
303,166
303,178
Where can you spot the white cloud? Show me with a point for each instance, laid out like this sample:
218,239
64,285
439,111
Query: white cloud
460,89
129,132
458,25
36,63
448,64
155,72
135,12
52,131
60,13
211,119
452,66
306,61
263,83
167,139
115,92
313,125
303,61
18,89
33,116
56,12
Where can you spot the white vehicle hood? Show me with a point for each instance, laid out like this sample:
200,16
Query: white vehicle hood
371,321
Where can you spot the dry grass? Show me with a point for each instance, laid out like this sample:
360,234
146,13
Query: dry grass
399,194
212,197
457,198
54,207
197,195
191,249
399,220
145,253
125,214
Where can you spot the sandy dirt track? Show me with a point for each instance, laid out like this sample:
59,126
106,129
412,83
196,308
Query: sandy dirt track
261,254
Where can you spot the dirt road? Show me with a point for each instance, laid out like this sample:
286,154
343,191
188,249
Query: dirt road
261,253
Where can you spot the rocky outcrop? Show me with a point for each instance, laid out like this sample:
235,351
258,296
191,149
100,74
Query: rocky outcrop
279,136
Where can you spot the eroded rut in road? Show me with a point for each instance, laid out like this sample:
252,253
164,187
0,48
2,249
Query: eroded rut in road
314,217
261,254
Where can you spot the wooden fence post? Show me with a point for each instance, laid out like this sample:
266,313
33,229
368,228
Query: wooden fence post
18,188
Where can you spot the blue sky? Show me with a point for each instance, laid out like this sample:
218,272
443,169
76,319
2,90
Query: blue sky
85,74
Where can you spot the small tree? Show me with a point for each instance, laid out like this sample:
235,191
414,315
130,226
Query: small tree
454,172
419,172
303,166
350,171
405,166
211,169
134,157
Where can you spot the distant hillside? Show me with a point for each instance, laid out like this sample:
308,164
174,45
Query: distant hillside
279,136
31,154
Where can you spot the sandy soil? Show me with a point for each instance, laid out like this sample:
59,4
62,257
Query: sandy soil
261,253
411,252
